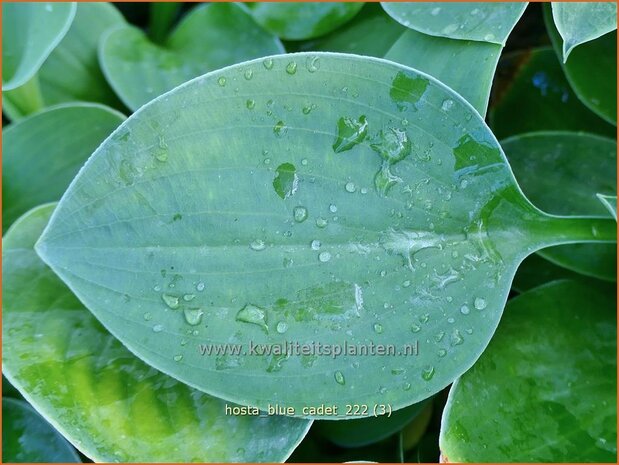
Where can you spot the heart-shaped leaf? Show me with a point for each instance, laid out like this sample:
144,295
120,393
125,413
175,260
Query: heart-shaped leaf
580,22
547,380
71,72
591,70
108,403
610,202
357,433
465,66
330,200
209,37
30,31
162,16
531,94
561,172
303,20
482,21
26,437
42,153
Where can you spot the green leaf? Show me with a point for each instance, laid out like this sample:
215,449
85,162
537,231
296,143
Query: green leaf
546,380
109,404
535,271
303,20
30,31
561,172
610,202
580,22
43,153
405,228
356,433
8,390
71,73
531,94
591,70
481,21
209,37
27,437
162,16
465,66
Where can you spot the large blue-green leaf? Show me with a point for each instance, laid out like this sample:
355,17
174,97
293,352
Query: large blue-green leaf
580,22
330,199
30,31
28,438
42,153
71,72
303,20
547,382
561,172
108,403
482,21
591,70
209,37
531,93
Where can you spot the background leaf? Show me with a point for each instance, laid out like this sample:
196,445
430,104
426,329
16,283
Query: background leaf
303,20
27,437
381,197
580,22
465,66
610,202
547,380
561,173
591,70
71,72
108,403
209,37
531,93
30,31
356,433
482,21
42,153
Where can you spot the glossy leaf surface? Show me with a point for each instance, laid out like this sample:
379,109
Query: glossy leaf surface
547,380
108,403
42,153
329,199
209,37
591,70
531,93
561,172
303,20
580,22
71,72
481,21
27,437
30,31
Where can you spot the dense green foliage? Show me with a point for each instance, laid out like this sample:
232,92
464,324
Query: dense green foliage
216,215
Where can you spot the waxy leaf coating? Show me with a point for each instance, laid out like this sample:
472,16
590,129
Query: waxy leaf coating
547,381
400,223
107,402
30,31
580,22
483,21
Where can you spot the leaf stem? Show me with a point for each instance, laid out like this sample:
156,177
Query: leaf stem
557,230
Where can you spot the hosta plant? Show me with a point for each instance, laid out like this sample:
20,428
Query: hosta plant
309,232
